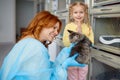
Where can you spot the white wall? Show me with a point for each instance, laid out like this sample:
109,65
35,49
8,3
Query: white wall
14,14
24,13
7,21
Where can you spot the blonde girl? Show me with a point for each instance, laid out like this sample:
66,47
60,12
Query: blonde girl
78,22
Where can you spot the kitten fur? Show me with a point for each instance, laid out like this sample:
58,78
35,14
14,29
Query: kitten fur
82,46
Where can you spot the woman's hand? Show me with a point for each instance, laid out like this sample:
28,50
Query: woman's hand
70,61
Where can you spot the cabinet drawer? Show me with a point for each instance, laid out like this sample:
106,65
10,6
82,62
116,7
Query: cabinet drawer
107,58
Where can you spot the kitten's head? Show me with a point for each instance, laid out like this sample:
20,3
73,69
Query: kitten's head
75,36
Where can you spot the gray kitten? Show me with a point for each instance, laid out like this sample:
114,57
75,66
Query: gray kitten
82,46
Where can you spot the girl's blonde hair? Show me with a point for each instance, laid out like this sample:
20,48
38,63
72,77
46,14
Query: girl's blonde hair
85,7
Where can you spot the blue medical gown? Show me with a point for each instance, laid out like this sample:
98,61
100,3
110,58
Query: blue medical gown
29,60
63,55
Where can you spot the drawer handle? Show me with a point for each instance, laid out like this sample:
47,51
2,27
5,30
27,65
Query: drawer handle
106,57
106,9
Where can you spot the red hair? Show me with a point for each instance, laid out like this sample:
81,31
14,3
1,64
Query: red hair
43,19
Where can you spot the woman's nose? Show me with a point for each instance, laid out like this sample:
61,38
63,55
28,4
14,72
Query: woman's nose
56,32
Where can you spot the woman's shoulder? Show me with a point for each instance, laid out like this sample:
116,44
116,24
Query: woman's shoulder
31,42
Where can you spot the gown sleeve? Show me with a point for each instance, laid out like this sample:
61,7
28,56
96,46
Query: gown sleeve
66,40
91,36
30,62
88,32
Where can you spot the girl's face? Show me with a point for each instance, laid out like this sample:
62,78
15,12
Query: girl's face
78,13
48,34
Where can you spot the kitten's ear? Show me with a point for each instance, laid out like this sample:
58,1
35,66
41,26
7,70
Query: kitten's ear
70,31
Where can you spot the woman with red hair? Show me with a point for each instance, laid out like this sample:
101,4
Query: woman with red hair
29,58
